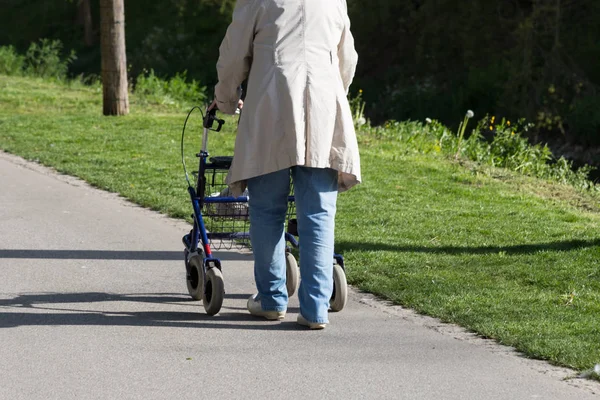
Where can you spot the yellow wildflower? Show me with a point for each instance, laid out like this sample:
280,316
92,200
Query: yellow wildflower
493,119
491,128
508,123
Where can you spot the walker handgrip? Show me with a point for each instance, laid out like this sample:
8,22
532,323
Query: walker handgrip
220,122
211,117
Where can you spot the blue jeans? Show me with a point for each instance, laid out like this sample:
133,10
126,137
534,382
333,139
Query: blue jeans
315,190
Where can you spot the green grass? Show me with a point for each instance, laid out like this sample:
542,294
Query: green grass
137,156
510,257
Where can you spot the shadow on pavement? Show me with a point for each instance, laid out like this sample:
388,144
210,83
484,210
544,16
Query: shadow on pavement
31,299
38,309
113,255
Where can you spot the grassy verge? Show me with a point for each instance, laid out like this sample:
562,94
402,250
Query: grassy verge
510,257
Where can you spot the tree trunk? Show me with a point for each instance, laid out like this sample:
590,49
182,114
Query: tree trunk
114,62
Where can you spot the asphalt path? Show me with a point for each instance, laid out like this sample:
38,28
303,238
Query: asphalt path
93,305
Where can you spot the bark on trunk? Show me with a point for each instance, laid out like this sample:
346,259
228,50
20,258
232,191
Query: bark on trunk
114,62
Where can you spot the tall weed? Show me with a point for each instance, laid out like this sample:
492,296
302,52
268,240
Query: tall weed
357,106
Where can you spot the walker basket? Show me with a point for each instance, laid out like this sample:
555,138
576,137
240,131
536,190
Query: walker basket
226,218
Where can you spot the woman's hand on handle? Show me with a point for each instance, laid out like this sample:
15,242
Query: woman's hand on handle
214,104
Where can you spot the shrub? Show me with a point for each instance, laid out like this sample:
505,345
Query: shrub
11,63
151,89
43,59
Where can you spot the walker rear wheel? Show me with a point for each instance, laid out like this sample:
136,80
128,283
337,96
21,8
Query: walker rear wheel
194,276
214,291
291,274
340,289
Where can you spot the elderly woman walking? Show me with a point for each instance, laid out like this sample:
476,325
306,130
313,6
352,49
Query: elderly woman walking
299,60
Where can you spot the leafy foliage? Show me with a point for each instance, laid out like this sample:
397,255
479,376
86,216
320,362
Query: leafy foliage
11,63
502,145
43,59
174,91
513,58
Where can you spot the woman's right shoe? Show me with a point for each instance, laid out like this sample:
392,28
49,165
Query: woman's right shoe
312,325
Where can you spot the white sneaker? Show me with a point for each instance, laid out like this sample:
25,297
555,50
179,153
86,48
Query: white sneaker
312,325
255,308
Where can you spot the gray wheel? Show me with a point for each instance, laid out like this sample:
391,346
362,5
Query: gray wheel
340,289
291,274
194,276
214,291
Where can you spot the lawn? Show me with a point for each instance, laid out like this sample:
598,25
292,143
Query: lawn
512,258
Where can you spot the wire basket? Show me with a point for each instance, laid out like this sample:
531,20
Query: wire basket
227,221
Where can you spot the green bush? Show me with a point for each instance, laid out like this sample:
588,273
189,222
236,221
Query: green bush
43,59
11,63
151,89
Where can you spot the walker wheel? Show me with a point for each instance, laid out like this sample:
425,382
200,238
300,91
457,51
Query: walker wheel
291,272
194,276
340,289
214,291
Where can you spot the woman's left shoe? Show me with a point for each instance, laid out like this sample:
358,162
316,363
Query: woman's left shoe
255,308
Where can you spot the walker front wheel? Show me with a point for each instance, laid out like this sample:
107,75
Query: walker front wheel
291,274
214,291
194,276
340,289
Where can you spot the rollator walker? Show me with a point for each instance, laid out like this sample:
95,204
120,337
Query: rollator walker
222,221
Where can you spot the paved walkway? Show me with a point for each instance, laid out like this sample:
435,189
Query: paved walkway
93,305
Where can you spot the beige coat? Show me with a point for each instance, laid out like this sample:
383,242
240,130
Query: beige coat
299,59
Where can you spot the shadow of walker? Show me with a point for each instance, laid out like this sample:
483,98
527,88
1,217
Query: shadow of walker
44,309
114,255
